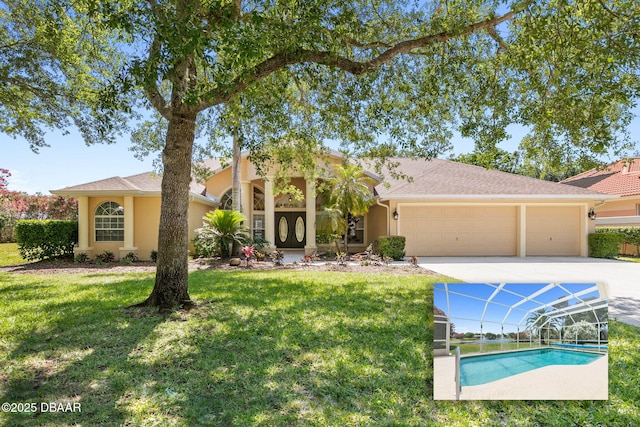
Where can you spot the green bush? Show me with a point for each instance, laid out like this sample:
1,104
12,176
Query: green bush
41,239
391,246
604,244
630,235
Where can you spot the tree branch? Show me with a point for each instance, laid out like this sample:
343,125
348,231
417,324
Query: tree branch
330,59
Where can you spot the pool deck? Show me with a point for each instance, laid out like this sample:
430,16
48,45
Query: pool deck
558,382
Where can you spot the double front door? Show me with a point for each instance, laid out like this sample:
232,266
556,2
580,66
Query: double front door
290,229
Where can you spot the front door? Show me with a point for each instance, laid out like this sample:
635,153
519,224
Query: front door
290,229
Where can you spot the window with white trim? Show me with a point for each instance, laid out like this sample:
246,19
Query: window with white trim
109,222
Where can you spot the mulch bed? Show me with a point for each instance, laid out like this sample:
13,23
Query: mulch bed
69,267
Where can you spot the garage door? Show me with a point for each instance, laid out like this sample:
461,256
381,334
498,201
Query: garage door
458,230
553,230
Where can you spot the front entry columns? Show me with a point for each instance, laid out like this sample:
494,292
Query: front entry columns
311,247
269,214
83,228
128,228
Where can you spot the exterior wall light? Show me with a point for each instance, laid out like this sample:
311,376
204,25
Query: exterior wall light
592,214
395,214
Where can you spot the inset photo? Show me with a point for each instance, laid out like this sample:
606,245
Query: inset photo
520,341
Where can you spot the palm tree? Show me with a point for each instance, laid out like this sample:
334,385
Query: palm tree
349,194
539,318
225,228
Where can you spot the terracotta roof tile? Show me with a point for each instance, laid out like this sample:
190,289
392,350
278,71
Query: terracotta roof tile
621,178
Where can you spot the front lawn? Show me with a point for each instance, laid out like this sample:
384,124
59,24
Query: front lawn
262,348
9,254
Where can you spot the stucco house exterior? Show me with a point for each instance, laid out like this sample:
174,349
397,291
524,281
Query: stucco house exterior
621,178
446,209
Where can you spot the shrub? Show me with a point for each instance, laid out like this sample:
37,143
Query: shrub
392,247
154,256
630,235
106,257
41,239
222,231
81,258
131,257
604,244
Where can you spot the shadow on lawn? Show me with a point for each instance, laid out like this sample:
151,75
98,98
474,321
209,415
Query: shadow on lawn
77,354
259,349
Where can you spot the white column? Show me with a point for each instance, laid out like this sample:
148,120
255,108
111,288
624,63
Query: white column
269,214
246,199
522,231
128,227
83,227
311,247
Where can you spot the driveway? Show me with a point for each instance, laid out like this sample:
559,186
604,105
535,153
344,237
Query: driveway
622,278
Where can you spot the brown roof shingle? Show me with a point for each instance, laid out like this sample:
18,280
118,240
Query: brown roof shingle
438,177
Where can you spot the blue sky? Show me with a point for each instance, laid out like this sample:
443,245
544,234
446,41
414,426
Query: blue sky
466,307
69,161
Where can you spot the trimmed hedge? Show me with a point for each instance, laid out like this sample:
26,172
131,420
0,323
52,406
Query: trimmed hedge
604,244
392,247
630,235
41,239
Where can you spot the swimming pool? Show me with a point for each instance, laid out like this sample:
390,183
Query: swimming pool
476,370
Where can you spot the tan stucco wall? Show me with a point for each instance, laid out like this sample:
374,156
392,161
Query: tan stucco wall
196,212
376,223
146,223
622,207
220,183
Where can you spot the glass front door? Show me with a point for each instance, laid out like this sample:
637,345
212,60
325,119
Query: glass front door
290,229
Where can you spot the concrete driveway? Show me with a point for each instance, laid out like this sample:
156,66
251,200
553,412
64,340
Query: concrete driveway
622,278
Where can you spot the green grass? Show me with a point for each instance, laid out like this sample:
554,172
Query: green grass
9,254
261,349
278,348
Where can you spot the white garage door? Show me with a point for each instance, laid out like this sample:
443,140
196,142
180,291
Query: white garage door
458,230
553,230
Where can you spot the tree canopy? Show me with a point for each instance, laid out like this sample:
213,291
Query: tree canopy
385,78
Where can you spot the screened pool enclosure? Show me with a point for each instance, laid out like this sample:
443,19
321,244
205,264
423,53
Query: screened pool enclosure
486,317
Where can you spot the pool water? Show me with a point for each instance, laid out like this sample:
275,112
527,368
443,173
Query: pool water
476,370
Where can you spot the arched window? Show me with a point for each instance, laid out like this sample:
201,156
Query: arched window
226,202
109,222
258,199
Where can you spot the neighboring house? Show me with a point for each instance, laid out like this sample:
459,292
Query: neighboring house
621,178
447,209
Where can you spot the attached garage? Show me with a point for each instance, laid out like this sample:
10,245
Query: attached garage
458,230
553,230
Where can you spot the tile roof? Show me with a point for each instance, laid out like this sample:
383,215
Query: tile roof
438,177
621,178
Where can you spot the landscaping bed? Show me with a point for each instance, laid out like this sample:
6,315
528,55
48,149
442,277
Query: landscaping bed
62,266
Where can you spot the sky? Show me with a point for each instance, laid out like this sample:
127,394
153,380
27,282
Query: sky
466,311
69,161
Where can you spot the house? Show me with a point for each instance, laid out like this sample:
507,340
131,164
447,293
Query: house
446,209
621,178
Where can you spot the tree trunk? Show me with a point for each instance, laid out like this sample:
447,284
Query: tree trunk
171,287
236,187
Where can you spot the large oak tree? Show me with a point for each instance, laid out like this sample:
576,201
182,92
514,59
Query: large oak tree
385,77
